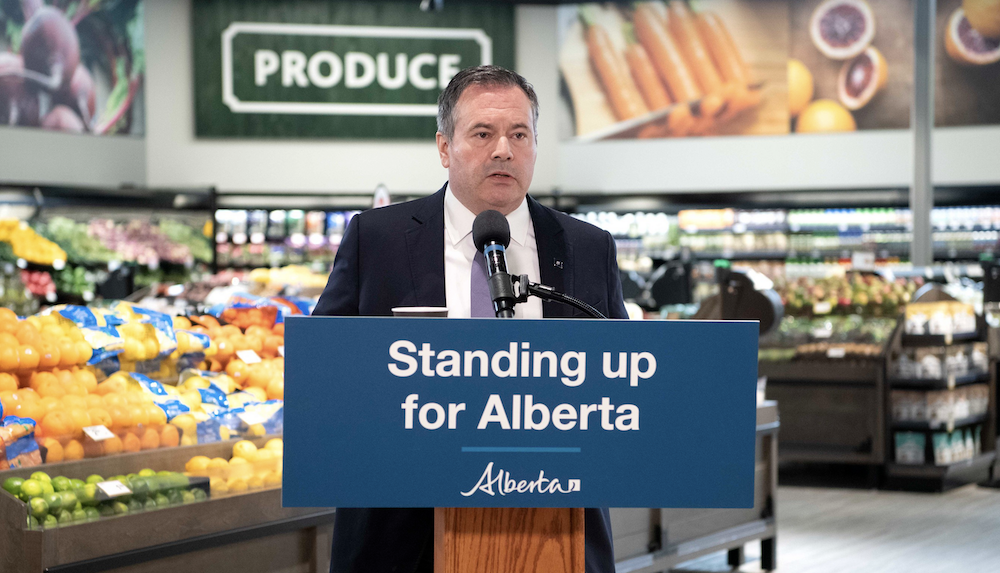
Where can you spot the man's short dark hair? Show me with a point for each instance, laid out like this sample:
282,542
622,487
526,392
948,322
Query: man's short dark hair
493,76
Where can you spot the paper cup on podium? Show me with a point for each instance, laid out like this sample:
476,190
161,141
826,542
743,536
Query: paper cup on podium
421,311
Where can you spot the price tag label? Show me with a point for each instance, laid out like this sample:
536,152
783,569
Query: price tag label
114,488
863,261
951,381
59,264
248,356
251,418
50,297
822,332
836,352
947,338
823,307
98,433
281,351
22,264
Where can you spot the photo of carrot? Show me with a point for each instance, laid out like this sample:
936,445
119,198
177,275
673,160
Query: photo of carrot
665,53
623,94
724,53
685,33
670,68
643,72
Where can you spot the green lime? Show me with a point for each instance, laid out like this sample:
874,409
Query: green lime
188,497
31,488
119,508
65,518
33,523
54,500
199,494
175,497
150,504
164,473
50,521
79,515
92,513
146,472
106,509
135,505
61,483
88,494
13,485
38,507
41,476
161,500
94,478
69,500
77,483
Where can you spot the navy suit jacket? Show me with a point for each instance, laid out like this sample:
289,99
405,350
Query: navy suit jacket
394,256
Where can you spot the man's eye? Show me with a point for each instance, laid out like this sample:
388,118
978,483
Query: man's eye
520,135
482,135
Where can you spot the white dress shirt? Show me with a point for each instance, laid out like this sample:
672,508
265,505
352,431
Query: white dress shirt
459,250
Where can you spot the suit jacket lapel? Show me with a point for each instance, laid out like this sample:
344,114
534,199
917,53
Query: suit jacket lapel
425,248
553,257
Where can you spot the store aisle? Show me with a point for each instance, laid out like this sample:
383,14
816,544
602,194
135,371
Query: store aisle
822,530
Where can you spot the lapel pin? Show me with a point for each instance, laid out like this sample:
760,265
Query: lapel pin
557,263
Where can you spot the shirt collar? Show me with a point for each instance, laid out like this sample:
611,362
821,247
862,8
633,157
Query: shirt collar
458,220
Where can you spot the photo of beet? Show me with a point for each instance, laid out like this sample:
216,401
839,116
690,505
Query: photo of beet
851,65
75,66
967,63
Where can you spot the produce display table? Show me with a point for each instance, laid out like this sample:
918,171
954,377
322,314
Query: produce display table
649,540
246,532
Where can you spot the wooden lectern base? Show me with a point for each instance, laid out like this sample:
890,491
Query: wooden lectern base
508,540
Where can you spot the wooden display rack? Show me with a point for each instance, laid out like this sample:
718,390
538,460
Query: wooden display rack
247,532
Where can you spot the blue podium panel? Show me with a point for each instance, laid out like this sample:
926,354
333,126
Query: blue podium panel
432,412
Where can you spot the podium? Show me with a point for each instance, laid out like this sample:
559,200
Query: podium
495,540
500,425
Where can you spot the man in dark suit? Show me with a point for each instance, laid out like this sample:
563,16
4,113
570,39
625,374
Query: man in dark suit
420,253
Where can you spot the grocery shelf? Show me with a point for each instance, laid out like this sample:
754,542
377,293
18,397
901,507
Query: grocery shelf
939,383
938,339
843,370
935,426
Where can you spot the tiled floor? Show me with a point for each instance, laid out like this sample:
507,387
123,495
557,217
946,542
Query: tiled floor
836,530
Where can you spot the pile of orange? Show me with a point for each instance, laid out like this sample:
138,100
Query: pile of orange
39,343
228,339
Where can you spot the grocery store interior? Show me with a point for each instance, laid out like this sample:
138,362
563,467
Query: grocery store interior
176,177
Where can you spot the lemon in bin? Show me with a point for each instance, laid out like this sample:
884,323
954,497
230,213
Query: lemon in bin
87,494
13,485
47,487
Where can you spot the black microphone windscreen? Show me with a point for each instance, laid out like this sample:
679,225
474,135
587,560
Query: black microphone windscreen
490,227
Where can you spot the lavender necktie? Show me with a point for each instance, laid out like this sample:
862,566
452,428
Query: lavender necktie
482,304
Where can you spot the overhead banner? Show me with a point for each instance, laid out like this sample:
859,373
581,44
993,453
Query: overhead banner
734,67
75,66
336,69
424,412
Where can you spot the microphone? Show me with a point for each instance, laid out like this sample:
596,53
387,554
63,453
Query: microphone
491,235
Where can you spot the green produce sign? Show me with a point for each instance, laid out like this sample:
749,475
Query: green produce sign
369,70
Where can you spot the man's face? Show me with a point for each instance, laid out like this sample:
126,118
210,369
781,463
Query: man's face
491,156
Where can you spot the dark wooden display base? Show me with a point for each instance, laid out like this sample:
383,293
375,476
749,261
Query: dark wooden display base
939,478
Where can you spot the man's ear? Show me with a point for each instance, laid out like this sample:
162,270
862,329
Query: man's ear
443,150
